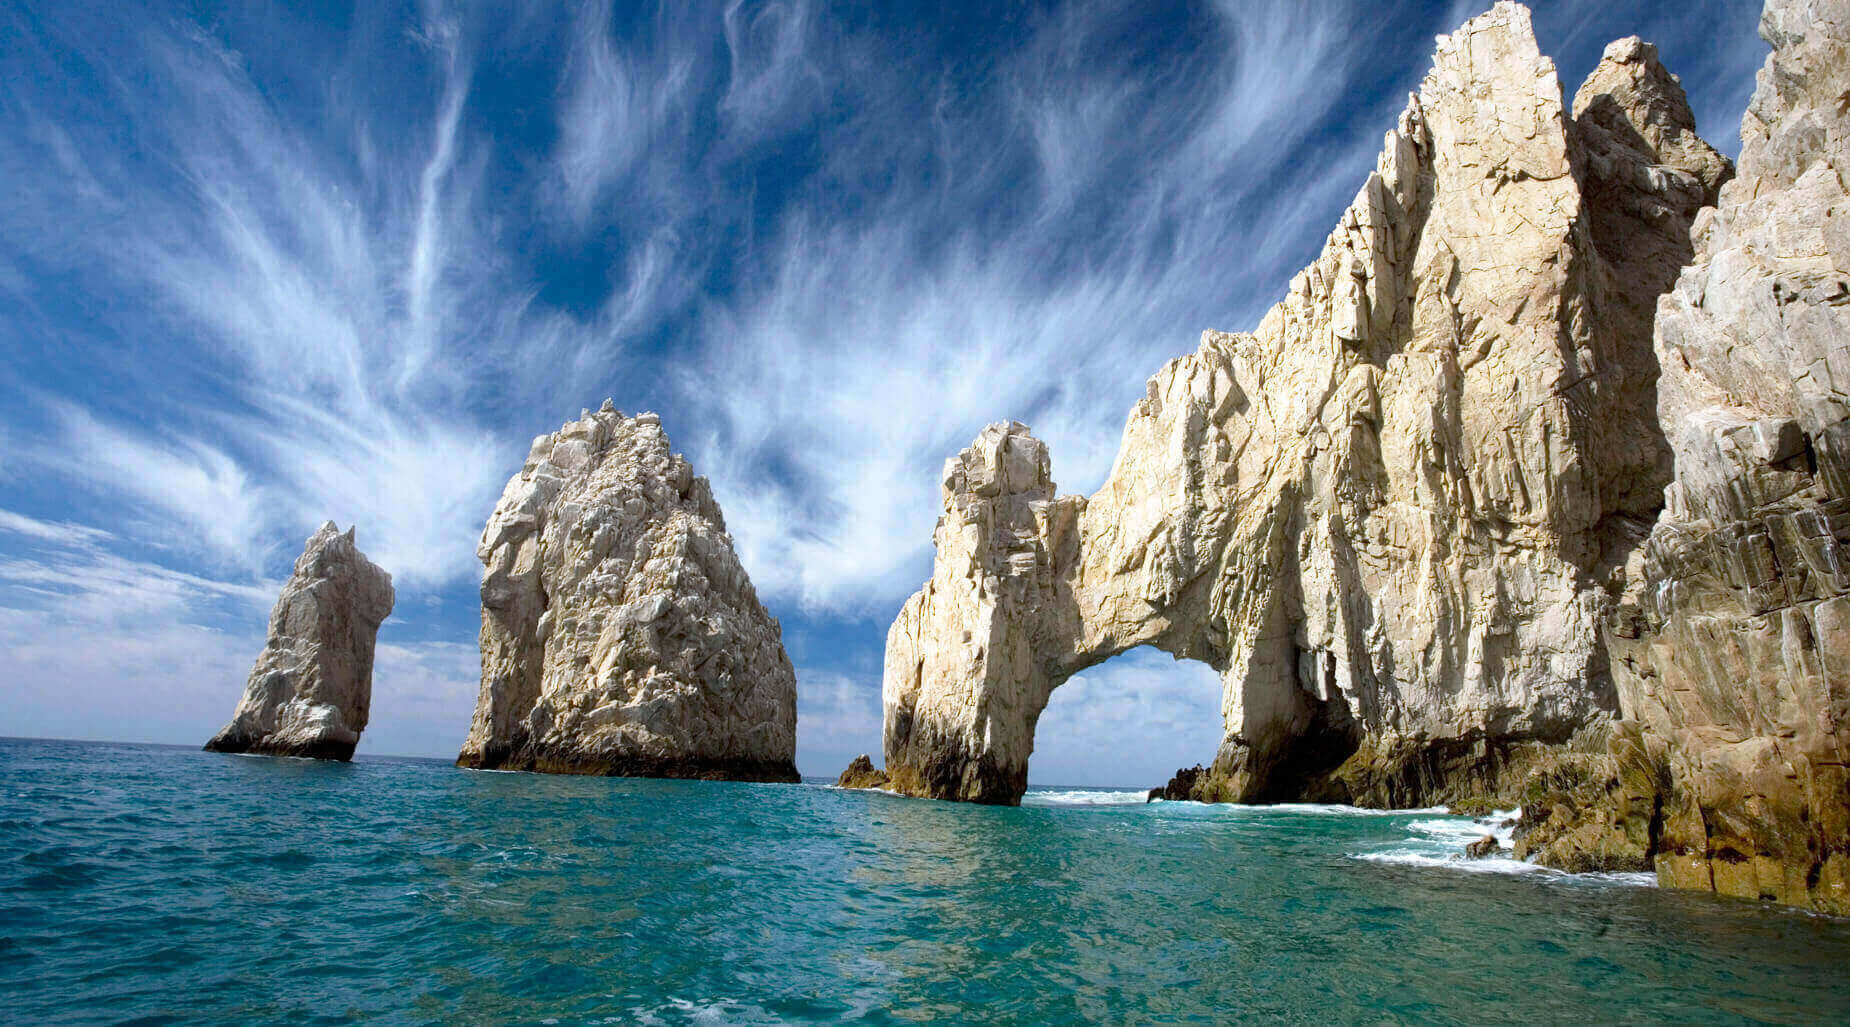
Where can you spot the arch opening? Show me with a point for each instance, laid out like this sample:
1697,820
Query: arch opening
1127,722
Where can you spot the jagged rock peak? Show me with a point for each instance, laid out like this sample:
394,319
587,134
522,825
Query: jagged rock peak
1004,460
311,688
620,634
1393,514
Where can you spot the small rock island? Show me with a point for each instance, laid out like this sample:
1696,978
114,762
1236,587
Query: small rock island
312,686
620,634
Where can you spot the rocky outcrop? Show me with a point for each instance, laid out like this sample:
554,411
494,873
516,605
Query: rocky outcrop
1188,785
968,666
1393,516
620,635
1733,646
861,774
312,686
1575,815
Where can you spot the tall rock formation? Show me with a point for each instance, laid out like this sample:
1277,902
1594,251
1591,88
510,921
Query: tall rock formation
1394,515
1734,646
312,686
620,635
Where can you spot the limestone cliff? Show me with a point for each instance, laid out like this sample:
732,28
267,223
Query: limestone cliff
620,635
1393,516
312,686
1733,648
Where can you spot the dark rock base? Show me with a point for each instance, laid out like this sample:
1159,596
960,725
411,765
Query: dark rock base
323,750
622,765
1188,785
932,765
1470,772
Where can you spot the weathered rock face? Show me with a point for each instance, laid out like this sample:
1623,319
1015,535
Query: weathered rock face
861,774
312,686
1186,786
1733,650
1395,515
620,635
973,657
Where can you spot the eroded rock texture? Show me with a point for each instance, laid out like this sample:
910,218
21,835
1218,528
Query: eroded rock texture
1395,514
312,686
861,774
620,635
1734,647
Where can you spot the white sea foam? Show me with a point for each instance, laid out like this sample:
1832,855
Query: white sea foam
1421,857
1083,797
1333,810
882,791
1441,842
680,1010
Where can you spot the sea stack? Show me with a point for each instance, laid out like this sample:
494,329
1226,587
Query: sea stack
1394,515
620,634
312,686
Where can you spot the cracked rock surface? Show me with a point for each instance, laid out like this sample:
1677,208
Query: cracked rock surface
1733,645
1395,515
312,686
620,635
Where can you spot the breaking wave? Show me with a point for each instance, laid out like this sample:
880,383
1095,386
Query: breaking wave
1083,797
1441,842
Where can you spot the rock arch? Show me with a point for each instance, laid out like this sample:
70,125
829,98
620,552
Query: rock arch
1392,516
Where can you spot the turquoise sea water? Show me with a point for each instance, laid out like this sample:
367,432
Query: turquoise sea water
152,883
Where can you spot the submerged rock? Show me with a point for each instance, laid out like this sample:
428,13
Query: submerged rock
1394,515
620,635
312,686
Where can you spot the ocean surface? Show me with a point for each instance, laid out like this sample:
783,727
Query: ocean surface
152,883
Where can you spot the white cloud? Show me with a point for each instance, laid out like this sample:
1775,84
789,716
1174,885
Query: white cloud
838,718
1131,721
771,72
618,106
94,644
97,645
423,696
202,500
348,322
882,344
60,532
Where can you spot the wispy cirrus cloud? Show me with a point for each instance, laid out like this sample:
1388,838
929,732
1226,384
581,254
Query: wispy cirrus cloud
620,104
312,305
880,344
192,495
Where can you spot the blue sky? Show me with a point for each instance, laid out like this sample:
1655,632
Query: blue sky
265,265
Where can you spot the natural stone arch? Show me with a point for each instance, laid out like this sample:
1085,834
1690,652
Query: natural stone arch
1008,617
1395,515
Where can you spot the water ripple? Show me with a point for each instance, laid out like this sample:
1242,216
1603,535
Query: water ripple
161,884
